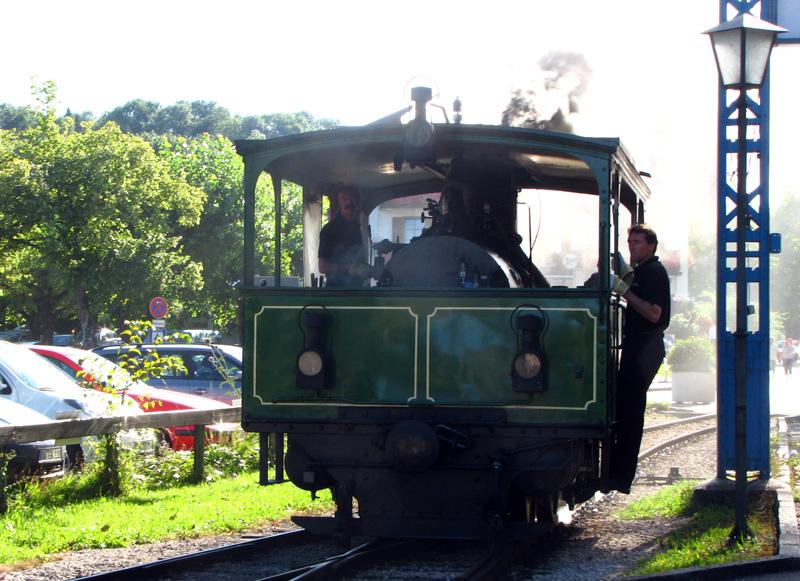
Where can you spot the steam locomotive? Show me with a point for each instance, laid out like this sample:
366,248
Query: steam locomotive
467,388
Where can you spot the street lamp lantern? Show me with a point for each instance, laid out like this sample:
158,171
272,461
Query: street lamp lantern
742,47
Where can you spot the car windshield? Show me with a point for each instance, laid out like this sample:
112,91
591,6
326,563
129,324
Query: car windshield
27,366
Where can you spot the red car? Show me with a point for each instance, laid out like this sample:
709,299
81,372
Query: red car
86,366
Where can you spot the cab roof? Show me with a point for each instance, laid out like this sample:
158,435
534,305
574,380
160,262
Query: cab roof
372,157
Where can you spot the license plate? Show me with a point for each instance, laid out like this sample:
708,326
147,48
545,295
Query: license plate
50,455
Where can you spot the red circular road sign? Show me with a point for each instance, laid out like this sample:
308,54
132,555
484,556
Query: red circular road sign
158,308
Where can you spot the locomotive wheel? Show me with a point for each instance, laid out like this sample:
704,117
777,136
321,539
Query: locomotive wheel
547,508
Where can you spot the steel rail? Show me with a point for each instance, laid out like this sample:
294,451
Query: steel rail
656,427
175,565
677,440
333,567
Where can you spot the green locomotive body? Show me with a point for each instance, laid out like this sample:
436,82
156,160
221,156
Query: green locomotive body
461,390
418,349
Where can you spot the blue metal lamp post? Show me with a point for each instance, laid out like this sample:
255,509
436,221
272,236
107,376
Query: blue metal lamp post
742,48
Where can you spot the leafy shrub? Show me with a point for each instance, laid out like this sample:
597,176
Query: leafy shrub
692,354
174,468
683,325
167,469
78,485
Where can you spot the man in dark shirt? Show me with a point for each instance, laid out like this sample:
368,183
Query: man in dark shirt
341,244
648,297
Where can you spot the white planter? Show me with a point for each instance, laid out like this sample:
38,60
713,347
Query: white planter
694,386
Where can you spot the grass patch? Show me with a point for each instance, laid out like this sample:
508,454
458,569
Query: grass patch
672,501
657,407
159,503
31,533
704,540
793,462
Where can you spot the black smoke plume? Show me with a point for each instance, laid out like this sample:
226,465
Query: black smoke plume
565,76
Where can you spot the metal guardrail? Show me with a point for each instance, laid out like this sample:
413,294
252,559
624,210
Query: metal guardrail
76,428
73,429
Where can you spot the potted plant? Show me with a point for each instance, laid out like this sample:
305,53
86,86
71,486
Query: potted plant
693,364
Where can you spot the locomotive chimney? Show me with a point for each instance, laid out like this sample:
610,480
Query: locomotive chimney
421,96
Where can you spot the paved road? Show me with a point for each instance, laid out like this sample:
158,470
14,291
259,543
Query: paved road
784,394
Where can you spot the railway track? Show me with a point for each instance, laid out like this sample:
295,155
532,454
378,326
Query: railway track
297,555
665,435
273,559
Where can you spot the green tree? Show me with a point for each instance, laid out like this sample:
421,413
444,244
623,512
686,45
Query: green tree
137,116
785,267
281,124
68,170
101,213
291,229
15,117
193,119
210,162
703,267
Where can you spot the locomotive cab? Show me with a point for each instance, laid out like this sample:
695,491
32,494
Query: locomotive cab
453,250
464,386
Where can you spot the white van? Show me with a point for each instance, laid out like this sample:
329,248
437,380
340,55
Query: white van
30,380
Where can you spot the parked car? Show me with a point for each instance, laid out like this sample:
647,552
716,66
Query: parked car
94,371
102,337
18,333
28,379
202,335
211,370
43,459
57,340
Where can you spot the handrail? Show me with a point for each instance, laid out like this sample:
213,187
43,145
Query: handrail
60,430
75,428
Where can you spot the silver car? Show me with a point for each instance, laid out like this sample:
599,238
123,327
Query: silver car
211,370
30,380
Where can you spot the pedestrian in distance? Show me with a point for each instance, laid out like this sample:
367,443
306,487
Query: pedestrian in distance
789,356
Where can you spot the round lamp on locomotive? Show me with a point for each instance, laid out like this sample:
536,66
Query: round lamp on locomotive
312,369
527,367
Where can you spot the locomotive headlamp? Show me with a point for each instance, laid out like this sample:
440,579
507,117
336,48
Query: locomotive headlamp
527,367
311,371
309,363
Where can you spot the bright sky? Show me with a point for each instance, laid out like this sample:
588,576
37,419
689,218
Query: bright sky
653,77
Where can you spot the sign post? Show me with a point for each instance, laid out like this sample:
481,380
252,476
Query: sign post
158,310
